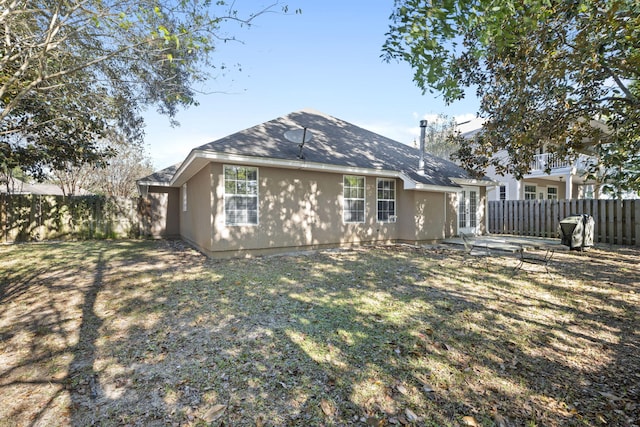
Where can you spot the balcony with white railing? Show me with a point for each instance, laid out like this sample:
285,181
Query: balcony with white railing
555,162
548,160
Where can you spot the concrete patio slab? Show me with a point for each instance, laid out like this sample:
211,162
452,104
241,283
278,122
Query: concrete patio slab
509,243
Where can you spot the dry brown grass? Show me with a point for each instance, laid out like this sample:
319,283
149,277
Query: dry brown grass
153,333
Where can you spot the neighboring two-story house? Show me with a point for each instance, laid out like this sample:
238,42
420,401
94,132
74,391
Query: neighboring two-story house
565,180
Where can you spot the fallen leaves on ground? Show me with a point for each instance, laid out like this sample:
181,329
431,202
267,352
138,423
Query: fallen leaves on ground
148,333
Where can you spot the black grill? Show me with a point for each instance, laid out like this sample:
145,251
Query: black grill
577,231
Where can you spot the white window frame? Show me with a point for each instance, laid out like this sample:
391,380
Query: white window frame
391,215
552,196
502,192
184,197
353,194
242,192
530,195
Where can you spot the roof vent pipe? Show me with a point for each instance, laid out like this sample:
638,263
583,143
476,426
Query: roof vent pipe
423,128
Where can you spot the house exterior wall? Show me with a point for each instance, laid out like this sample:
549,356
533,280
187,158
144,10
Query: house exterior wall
482,212
451,224
428,218
557,177
195,220
543,184
300,210
515,188
164,214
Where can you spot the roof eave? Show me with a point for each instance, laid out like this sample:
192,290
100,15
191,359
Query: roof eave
199,158
475,182
153,183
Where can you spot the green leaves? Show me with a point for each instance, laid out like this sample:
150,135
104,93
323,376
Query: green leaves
543,70
72,73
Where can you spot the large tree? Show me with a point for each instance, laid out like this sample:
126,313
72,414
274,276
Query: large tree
543,71
115,177
438,136
74,72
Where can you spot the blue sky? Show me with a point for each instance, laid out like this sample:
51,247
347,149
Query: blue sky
328,59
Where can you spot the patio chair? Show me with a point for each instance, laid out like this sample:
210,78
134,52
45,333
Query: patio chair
533,258
475,251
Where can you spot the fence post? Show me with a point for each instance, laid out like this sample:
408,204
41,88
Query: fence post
618,221
526,214
538,218
626,217
544,227
611,222
517,217
636,219
3,215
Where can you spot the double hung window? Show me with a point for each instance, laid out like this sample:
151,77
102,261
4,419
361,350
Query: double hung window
353,198
530,192
386,200
240,195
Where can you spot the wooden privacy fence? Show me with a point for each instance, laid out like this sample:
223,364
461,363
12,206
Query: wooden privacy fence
35,217
616,221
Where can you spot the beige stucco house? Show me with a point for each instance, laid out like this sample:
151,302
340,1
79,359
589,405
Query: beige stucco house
308,180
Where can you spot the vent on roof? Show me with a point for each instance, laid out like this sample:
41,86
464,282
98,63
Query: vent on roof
423,127
300,137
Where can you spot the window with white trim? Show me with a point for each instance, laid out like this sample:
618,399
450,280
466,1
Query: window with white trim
353,198
503,192
530,192
386,200
240,195
552,193
184,197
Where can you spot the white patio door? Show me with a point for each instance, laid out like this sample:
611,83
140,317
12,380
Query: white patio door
468,204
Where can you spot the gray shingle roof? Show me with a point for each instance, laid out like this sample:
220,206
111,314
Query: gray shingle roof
162,176
336,142
333,142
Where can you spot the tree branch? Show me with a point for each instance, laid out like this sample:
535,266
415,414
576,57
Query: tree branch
629,95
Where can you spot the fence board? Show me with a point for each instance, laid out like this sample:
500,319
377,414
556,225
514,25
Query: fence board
596,218
611,223
602,223
627,222
636,222
36,217
543,217
616,221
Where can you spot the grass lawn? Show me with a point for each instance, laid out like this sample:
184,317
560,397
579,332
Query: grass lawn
153,333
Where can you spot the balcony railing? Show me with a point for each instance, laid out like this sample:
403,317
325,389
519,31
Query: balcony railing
548,160
552,161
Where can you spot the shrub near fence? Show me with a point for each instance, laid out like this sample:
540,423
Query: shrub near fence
616,221
36,217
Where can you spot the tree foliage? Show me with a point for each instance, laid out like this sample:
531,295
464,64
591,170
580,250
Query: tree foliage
543,70
114,177
118,177
74,72
11,180
439,134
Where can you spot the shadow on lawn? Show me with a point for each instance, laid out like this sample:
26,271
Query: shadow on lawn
580,357
344,337
49,329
